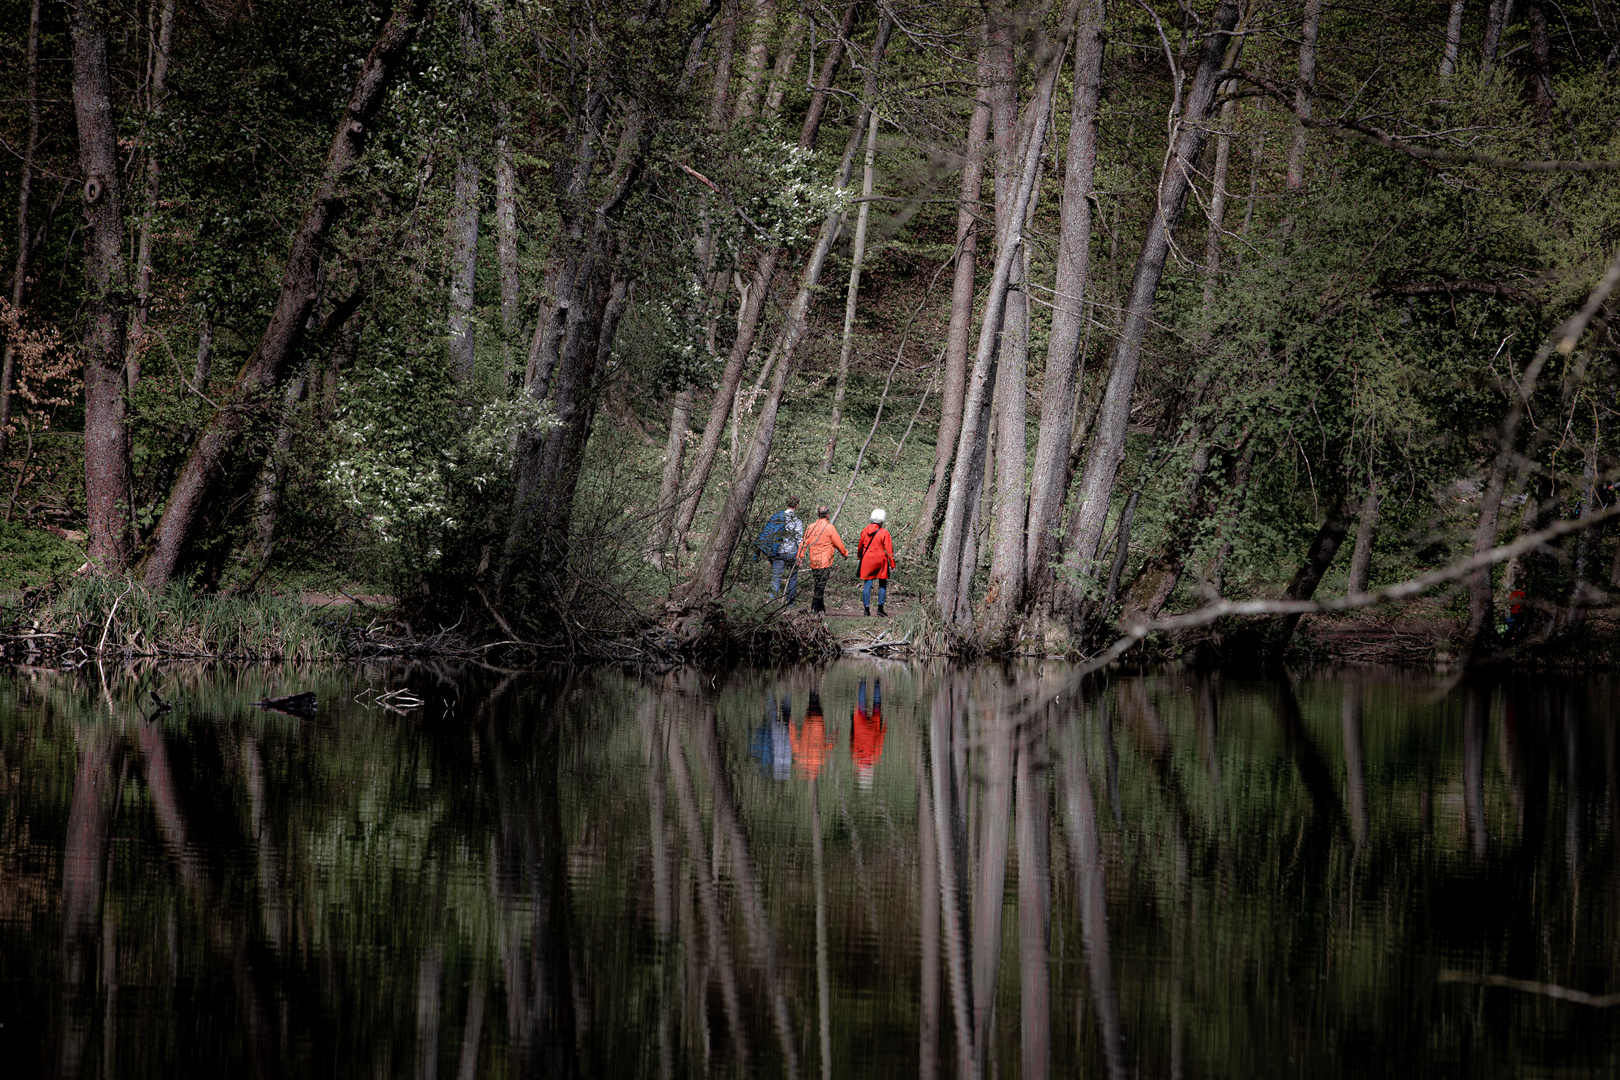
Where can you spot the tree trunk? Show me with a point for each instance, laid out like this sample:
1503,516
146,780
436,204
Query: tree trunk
267,503
1497,17
143,243
1366,531
722,63
465,212
1448,61
759,51
1215,578
19,280
857,256
1542,98
1303,91
957,335
674,452
954,603
106,433
1317,560
783,71
506,230
210,465
1108,440
1050,474
748,320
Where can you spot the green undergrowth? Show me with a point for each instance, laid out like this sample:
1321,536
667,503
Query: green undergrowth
31,556
115,618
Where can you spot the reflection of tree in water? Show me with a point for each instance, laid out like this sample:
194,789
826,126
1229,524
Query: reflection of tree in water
1209,876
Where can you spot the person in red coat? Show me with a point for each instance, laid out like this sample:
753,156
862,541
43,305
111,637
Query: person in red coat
875,549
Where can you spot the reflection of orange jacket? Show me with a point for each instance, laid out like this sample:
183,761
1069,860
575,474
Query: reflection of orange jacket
810,745
866,740
819,541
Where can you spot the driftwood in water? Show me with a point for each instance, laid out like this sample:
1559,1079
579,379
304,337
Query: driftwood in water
303,704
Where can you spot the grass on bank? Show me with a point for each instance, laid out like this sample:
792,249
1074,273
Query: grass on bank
115,618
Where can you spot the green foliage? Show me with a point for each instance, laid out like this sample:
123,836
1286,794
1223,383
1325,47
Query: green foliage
31,556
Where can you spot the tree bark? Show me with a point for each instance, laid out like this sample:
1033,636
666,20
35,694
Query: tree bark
722,63
1366,531
1542,98
1317,560
106,432
957,334
759,51
748,320
1303,91
1497,16
143,243
674,453
1448,60
1113,416
857,257
465,212
506,230
782,73
210,465
19,279
954,602
1050,474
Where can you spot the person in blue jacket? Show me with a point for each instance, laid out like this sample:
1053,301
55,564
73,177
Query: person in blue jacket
778,541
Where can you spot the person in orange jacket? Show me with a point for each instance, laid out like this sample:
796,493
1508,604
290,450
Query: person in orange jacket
866,735
820,540
875,549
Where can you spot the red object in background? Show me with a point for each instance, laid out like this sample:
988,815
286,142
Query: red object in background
1515,601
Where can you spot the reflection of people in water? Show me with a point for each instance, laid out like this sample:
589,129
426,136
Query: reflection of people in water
866,734
810,742
772,744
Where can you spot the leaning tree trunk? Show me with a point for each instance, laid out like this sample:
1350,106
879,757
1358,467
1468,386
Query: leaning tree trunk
19,281
1108,439
782,73
1366,531
211,464
950,593
852,297
106,432
957,335
1323,548
1497,16
143,243
679,422
725,393
1050,473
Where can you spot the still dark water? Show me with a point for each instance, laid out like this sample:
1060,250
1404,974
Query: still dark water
859,870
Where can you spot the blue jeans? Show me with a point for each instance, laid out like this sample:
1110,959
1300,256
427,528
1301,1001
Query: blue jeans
777,566
866,591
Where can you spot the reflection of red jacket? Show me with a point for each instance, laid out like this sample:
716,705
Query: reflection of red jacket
876,549
866,740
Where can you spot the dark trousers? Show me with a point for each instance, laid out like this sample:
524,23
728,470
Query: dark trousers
819,603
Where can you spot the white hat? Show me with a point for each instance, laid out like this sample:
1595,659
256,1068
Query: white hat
879,516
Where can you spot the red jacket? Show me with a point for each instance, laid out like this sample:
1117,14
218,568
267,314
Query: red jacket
876,549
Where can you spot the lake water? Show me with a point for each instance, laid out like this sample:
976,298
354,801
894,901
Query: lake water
867,869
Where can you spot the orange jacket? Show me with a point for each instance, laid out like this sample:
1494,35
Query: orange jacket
810,745
876,548
866,740
819,541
